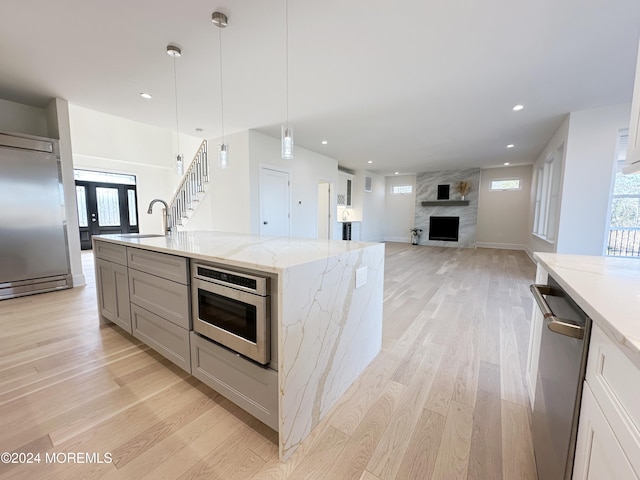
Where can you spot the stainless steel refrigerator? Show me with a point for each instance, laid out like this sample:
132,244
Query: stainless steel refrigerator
34,256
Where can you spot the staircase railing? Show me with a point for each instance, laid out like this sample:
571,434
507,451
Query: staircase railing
191,186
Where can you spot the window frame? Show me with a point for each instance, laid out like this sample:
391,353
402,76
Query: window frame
547,199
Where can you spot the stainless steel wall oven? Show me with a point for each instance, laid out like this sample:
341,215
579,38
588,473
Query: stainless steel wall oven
233,309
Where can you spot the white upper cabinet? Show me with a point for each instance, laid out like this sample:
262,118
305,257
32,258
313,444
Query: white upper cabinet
633,150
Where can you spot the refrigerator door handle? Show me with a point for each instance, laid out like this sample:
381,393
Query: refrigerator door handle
555,324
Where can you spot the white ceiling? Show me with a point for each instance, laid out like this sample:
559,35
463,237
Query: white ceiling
414,85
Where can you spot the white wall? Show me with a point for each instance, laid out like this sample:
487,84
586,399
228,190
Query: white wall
59,127
503,216
588,170
306,170
399,209
370,206
18,118
112,144
226,207
558,141
232,203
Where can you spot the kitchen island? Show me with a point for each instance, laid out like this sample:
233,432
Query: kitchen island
326,313
608,291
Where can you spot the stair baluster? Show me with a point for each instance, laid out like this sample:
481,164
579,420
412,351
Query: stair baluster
191,187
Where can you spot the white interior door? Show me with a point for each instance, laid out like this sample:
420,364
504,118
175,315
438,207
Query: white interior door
274,202
324,209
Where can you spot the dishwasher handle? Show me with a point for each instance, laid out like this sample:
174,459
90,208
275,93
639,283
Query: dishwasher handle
556,325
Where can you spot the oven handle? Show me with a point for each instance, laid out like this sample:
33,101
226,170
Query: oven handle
556,325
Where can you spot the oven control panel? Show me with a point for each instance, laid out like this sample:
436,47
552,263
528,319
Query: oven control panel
228,278
242,281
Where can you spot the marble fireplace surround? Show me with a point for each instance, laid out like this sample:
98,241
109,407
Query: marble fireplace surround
427,191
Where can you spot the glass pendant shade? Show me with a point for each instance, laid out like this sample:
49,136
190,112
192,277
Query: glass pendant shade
179,165
287,142
223,155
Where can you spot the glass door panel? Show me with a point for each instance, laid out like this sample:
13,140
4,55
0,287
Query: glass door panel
133,210
81,199
108,207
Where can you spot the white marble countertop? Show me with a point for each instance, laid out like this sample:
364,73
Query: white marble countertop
264,253
607,289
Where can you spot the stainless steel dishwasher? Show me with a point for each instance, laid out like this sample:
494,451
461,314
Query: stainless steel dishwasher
558,392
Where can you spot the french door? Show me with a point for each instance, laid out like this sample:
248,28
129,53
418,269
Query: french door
105,208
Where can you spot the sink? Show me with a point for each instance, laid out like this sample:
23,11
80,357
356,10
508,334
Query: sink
141,235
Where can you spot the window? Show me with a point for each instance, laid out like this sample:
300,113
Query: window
401,189
505,184
547,188
624,219
104,177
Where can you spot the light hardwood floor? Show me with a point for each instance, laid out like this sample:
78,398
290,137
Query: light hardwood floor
445,399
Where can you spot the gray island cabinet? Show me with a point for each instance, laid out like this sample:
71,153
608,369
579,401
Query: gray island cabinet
325,316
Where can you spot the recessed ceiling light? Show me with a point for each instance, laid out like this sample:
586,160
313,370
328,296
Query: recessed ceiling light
324,142
145,95
370,161
511,145
507,163
397,173
517,108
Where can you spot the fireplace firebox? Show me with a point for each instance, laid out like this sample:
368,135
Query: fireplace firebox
444,228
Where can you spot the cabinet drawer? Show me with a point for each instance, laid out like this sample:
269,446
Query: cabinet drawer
162,265
615,383
164,337
251,387
111,252
165,298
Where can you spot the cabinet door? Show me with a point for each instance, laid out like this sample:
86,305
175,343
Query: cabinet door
598,453
122,308
112,287
105,289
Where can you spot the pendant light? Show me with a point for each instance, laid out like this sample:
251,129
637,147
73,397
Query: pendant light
287,130
220,20
175,52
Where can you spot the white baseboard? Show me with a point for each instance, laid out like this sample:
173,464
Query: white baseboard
78,280
397,239
508,246
530,253
503,246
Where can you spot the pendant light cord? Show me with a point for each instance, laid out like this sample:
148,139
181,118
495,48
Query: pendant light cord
286,56
175,88
221,89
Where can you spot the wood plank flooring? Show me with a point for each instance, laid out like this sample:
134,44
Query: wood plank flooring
445,399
